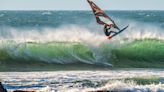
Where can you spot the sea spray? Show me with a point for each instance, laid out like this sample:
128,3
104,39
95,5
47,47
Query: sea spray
68,33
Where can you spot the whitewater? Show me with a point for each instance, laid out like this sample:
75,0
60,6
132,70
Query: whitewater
83,81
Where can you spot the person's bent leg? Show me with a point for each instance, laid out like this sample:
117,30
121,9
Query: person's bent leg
109,34
113,32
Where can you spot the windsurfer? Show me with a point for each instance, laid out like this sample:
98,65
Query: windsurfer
103,19
107,32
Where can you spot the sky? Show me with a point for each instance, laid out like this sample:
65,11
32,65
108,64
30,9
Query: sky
81,4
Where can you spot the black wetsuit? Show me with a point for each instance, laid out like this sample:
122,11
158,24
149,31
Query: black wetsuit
107,33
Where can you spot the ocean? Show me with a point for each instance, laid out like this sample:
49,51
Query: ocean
71,44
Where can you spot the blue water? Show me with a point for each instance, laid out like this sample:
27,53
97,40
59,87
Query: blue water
58,18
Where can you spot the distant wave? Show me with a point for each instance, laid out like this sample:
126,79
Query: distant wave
46,13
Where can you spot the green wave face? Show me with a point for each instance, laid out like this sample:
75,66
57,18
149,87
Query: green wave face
59,52
139,53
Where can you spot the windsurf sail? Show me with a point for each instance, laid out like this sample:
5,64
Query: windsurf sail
100,15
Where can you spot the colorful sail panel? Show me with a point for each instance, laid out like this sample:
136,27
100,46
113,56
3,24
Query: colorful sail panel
100,15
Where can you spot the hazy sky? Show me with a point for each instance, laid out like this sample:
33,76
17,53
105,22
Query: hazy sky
81,4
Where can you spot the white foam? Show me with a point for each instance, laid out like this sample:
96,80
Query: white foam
138,30
120,86
70,33
86,34
66,80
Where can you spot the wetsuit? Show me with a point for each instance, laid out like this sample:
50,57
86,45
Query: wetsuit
106,28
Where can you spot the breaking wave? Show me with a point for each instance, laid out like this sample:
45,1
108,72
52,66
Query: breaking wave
81,44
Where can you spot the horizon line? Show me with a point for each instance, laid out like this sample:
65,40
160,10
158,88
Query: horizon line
80,10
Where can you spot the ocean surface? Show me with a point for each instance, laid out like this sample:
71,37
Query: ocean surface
72,40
